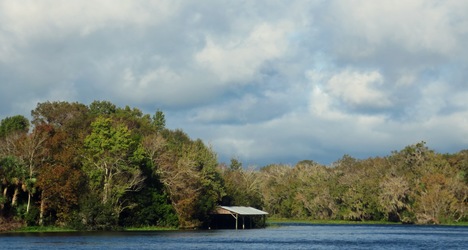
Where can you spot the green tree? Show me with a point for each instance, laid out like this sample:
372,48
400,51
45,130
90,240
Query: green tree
102,108
60,114
359,178
30,153
159,120
12,170
212,188
17,123
13,175
111,162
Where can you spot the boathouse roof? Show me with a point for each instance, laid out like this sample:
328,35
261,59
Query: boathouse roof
240,210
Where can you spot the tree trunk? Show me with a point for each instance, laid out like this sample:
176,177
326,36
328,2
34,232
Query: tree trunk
29,202
15,197
41,214
105,191
5,191
106,186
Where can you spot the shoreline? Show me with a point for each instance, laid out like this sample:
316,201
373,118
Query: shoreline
276,222
345,222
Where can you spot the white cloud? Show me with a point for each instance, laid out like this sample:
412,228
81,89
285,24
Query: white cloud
334,93
415,26
239,58
358,89
30,19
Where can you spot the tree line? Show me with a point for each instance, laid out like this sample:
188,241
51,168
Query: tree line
102,167
413,185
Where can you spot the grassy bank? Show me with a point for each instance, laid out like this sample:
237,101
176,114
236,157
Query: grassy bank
271,222
42,229
149,228
55,229
279,221
338,222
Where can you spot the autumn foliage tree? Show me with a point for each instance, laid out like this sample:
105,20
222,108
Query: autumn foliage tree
242,186
413,185
188,170
60,190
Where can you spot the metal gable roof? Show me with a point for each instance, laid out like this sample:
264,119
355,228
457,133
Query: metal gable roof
244,210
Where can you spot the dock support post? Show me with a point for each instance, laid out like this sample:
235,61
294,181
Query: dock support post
237,217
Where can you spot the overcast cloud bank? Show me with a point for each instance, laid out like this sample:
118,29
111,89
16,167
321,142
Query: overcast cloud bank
263,81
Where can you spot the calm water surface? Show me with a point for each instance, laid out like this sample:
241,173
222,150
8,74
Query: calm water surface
287,236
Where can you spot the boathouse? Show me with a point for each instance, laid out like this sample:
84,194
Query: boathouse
236,217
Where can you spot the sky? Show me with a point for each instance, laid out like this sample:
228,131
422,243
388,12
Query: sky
264,81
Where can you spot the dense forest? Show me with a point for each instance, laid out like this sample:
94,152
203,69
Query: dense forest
102,167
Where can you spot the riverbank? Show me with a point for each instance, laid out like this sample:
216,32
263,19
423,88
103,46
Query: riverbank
55,229
274,222
7,225
43,229
279,221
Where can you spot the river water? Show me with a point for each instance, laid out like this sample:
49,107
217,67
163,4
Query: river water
285,236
